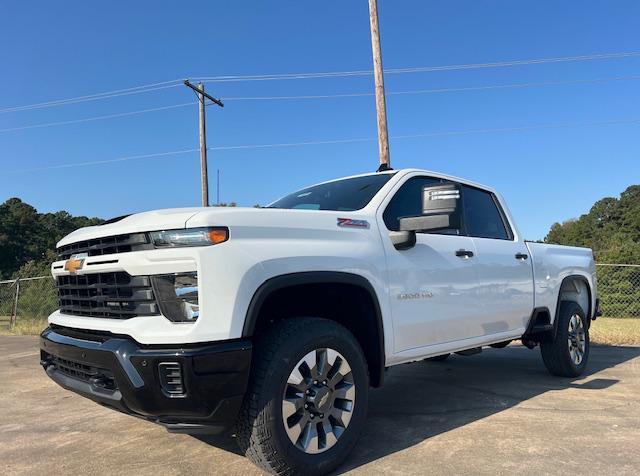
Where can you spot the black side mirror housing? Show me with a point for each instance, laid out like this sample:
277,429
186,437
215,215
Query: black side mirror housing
403,240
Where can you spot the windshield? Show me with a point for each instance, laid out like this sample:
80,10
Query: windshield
341,195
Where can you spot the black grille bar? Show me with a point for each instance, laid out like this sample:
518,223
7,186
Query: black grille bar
110,295
98,377
107,245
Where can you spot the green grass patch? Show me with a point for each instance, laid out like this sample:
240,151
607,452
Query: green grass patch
615,331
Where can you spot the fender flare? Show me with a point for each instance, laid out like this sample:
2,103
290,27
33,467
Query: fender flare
314,277
573,277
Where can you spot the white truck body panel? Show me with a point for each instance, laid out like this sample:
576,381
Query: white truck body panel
552,264
460,303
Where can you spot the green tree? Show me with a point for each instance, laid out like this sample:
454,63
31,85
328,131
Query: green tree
612,230
27,236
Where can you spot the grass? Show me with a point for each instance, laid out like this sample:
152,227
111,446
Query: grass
24,327
615,331
605,330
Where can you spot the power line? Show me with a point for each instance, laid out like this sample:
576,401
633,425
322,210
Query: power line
330,96
96,118
290,76
94,97
438,90
433,134
420,69
343,141
108,161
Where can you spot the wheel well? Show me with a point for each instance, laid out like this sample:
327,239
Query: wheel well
575,289
341,297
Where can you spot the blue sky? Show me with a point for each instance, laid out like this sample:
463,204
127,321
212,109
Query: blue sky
54,50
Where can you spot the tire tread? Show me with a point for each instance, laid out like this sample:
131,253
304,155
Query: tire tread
553,348
253,433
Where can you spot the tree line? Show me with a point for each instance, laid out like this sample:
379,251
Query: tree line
612,230
28,238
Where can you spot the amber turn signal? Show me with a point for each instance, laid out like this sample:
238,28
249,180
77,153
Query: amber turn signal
218,235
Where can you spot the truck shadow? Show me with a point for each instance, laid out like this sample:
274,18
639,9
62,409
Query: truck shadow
421,400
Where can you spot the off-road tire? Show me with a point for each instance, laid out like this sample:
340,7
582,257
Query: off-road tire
260,429
555,350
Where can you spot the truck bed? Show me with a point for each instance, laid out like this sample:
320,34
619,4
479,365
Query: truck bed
551,265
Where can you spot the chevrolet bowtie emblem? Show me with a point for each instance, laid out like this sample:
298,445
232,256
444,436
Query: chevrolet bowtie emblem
73,264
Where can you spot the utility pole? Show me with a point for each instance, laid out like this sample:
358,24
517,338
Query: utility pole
218,188
204,176
381,106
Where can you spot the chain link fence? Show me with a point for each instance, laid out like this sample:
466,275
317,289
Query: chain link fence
27,299
33,299
619,289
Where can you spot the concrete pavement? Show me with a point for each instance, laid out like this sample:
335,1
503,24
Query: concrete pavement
494,413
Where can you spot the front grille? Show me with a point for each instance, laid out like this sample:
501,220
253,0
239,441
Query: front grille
107,245
110,295
98,377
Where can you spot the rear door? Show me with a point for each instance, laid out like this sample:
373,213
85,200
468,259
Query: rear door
503,266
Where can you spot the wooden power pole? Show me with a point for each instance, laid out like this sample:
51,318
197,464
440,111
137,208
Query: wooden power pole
204,175
381,106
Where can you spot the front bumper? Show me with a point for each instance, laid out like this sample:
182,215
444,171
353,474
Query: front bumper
117,372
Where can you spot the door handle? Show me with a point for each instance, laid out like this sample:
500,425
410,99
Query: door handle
522,256
464,254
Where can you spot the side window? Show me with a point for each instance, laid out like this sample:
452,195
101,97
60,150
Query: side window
482,217
407,202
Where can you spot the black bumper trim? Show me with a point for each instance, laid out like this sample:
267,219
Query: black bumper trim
120,348
215,377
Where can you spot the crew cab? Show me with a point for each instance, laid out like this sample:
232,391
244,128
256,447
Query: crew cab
274,322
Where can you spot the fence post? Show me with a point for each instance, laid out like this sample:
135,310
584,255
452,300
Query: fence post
14,314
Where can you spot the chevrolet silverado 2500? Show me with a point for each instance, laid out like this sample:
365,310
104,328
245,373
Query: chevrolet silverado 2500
276,321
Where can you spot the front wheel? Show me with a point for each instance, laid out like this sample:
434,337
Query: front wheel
566,355
307,398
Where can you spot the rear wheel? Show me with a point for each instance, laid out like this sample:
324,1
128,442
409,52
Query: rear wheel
566,355
307,398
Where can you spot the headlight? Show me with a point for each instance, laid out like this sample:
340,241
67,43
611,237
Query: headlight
177,296
189,237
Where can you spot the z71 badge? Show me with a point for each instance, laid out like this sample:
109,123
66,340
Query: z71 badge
351,223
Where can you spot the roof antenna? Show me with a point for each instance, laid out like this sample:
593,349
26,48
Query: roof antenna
384,167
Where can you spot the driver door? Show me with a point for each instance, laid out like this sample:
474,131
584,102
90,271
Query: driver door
432,285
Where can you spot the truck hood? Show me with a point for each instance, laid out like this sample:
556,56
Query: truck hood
167,219
237,218
275,219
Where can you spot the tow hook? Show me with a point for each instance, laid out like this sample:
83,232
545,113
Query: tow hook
46,363
99,381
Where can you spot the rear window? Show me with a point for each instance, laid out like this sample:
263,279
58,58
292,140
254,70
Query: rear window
340,195
481,215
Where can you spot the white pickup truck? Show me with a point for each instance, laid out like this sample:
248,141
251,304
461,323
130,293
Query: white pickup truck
276,321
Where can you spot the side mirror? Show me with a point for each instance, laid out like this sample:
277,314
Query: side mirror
403,240
440,210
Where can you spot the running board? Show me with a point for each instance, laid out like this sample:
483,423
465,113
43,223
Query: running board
473,351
